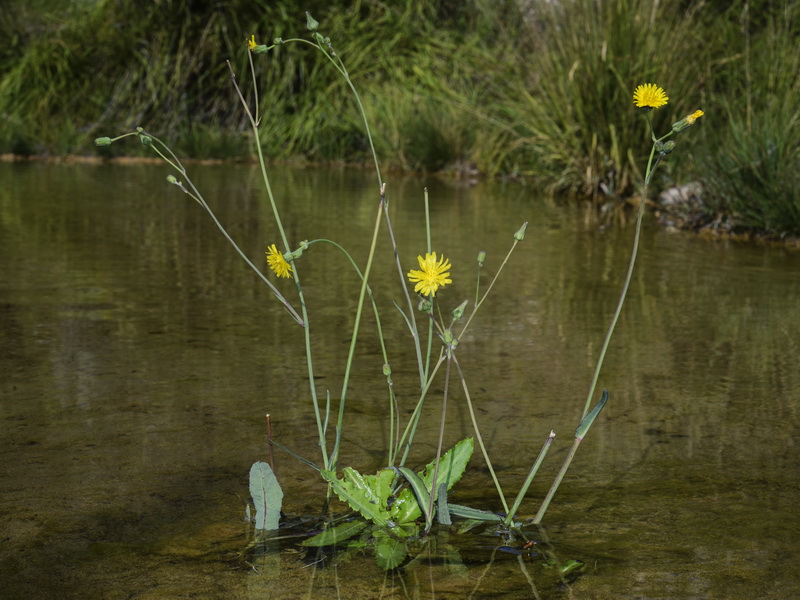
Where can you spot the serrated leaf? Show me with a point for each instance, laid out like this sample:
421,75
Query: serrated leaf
389,551
420,493
367,494
452,465
336,535
267,496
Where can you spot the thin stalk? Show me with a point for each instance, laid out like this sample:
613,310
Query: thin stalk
411,428
434,491
527,484
198,197
306,329
563,471
488,289
381,340
359,310
480,437
412,320
628,278
429,350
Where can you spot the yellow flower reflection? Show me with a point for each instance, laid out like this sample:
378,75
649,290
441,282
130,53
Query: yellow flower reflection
277,263
432,274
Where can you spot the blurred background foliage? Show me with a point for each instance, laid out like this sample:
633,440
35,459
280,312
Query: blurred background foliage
536,89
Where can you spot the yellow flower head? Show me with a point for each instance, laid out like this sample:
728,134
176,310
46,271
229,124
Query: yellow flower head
649,95
432,275
277,263
251,43
694,116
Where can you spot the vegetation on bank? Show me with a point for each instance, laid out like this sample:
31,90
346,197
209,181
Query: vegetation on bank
529,88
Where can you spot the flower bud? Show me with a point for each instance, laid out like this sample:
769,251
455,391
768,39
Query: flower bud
387,370
145,139
665,147
311,22
424,305
481,258
520,234
173,180
687,121
103,141
458,311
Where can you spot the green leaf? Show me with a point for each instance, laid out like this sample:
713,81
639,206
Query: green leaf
442,509
586,422
367,494
465,512
421,493
451,467
389,551
336,535
267,496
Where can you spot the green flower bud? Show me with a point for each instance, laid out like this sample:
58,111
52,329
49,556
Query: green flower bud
259,49
481,258
687,121
145,139
424,305
458,311
277,40
311,22
520,234
665,147
103,141
447,337
173,180
387,370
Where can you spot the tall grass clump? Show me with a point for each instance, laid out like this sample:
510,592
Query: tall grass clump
753,181
570,129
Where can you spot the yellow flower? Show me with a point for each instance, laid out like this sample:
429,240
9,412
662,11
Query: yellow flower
649,95
251,43
694,116
277,263
432,275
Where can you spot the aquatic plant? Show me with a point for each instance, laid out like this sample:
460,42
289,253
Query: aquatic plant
397,504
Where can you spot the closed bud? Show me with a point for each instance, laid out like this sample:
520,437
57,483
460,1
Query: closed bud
173,180
520,234
481,258
665,147
458,312
103,141
311,22
387,370
145,139
424,305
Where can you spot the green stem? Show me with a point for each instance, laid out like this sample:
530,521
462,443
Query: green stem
527,484
625,286
433,490
296,275
356,325
552,491
479,437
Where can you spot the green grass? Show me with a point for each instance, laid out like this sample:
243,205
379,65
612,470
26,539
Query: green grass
535,89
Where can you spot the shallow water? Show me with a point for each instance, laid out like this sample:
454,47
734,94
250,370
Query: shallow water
139,356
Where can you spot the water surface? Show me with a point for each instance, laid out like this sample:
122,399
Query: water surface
139,356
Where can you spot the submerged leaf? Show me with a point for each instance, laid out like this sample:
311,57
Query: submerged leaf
336,535
267,496
389,551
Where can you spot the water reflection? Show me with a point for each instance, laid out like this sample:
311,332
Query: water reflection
139,356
